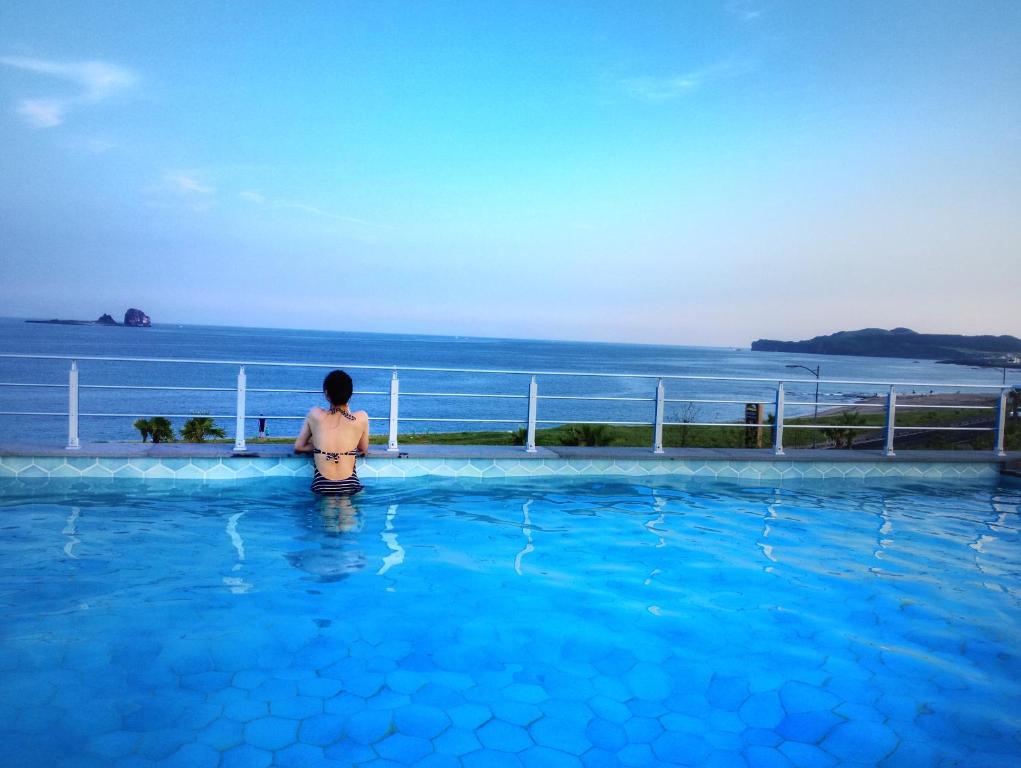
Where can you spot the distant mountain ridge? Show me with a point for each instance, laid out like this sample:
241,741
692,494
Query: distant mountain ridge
898,342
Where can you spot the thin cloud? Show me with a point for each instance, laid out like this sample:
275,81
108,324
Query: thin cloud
662,88
671,87
188,183
96,81
258,198
42,113
252,196
97,146
181,188
745,10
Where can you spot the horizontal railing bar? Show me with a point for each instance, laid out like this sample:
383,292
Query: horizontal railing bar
295,418
839,405
189,389
509,372
596,397
458,421
32,413
460,394
742,425
788,425
609,423
147,386
698,400
949,407
308,391
946,429
149,414
716,424
903,405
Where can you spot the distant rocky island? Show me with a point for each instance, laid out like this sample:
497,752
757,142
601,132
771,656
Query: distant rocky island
133,318
903,342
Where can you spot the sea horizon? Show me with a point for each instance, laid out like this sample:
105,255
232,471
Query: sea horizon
704,374
164,324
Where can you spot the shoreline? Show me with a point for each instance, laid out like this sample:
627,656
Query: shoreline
867,405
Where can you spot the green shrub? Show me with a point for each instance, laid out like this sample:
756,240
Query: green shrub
843,433
144,426
586,434
197,428
161,430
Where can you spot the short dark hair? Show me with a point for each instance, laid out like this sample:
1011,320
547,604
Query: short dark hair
338,387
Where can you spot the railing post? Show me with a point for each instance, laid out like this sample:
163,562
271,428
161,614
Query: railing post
239,422
778,422
1001,423
891,418
657,427
72,408
391,445
533,400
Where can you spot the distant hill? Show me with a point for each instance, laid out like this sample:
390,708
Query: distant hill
134,318
900,342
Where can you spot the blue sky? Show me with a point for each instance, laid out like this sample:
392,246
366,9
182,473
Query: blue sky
693,173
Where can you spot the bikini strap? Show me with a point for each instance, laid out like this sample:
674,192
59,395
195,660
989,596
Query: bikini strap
333,455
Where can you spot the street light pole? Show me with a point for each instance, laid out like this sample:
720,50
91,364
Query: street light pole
815,372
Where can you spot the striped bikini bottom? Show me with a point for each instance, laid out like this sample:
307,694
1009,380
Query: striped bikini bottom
345,487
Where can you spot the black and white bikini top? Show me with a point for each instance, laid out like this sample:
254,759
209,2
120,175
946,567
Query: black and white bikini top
333,455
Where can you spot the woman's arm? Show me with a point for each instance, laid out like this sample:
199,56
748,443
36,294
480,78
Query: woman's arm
304,442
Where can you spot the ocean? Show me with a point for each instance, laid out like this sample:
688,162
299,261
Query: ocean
340,349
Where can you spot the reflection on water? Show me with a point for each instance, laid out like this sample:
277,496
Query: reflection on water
984,544
236,584
526,528
656,526
334,559
767,549
389,537
71,531
339,514
885,530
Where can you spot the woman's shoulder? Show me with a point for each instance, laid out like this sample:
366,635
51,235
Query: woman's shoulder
361,415
315,413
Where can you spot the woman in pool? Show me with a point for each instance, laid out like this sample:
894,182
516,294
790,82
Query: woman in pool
335,437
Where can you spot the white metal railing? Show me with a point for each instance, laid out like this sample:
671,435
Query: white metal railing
530,420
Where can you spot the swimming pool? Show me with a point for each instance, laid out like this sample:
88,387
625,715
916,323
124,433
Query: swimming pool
550,622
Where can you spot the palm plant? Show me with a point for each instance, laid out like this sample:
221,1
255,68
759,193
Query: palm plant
162,431
144,426
197,428
587,434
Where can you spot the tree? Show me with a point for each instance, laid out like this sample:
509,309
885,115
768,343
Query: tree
197,428
162,431
145,427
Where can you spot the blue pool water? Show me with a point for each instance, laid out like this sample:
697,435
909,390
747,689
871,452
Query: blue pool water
498,623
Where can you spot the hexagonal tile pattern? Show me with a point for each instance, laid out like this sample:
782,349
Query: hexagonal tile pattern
504,737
